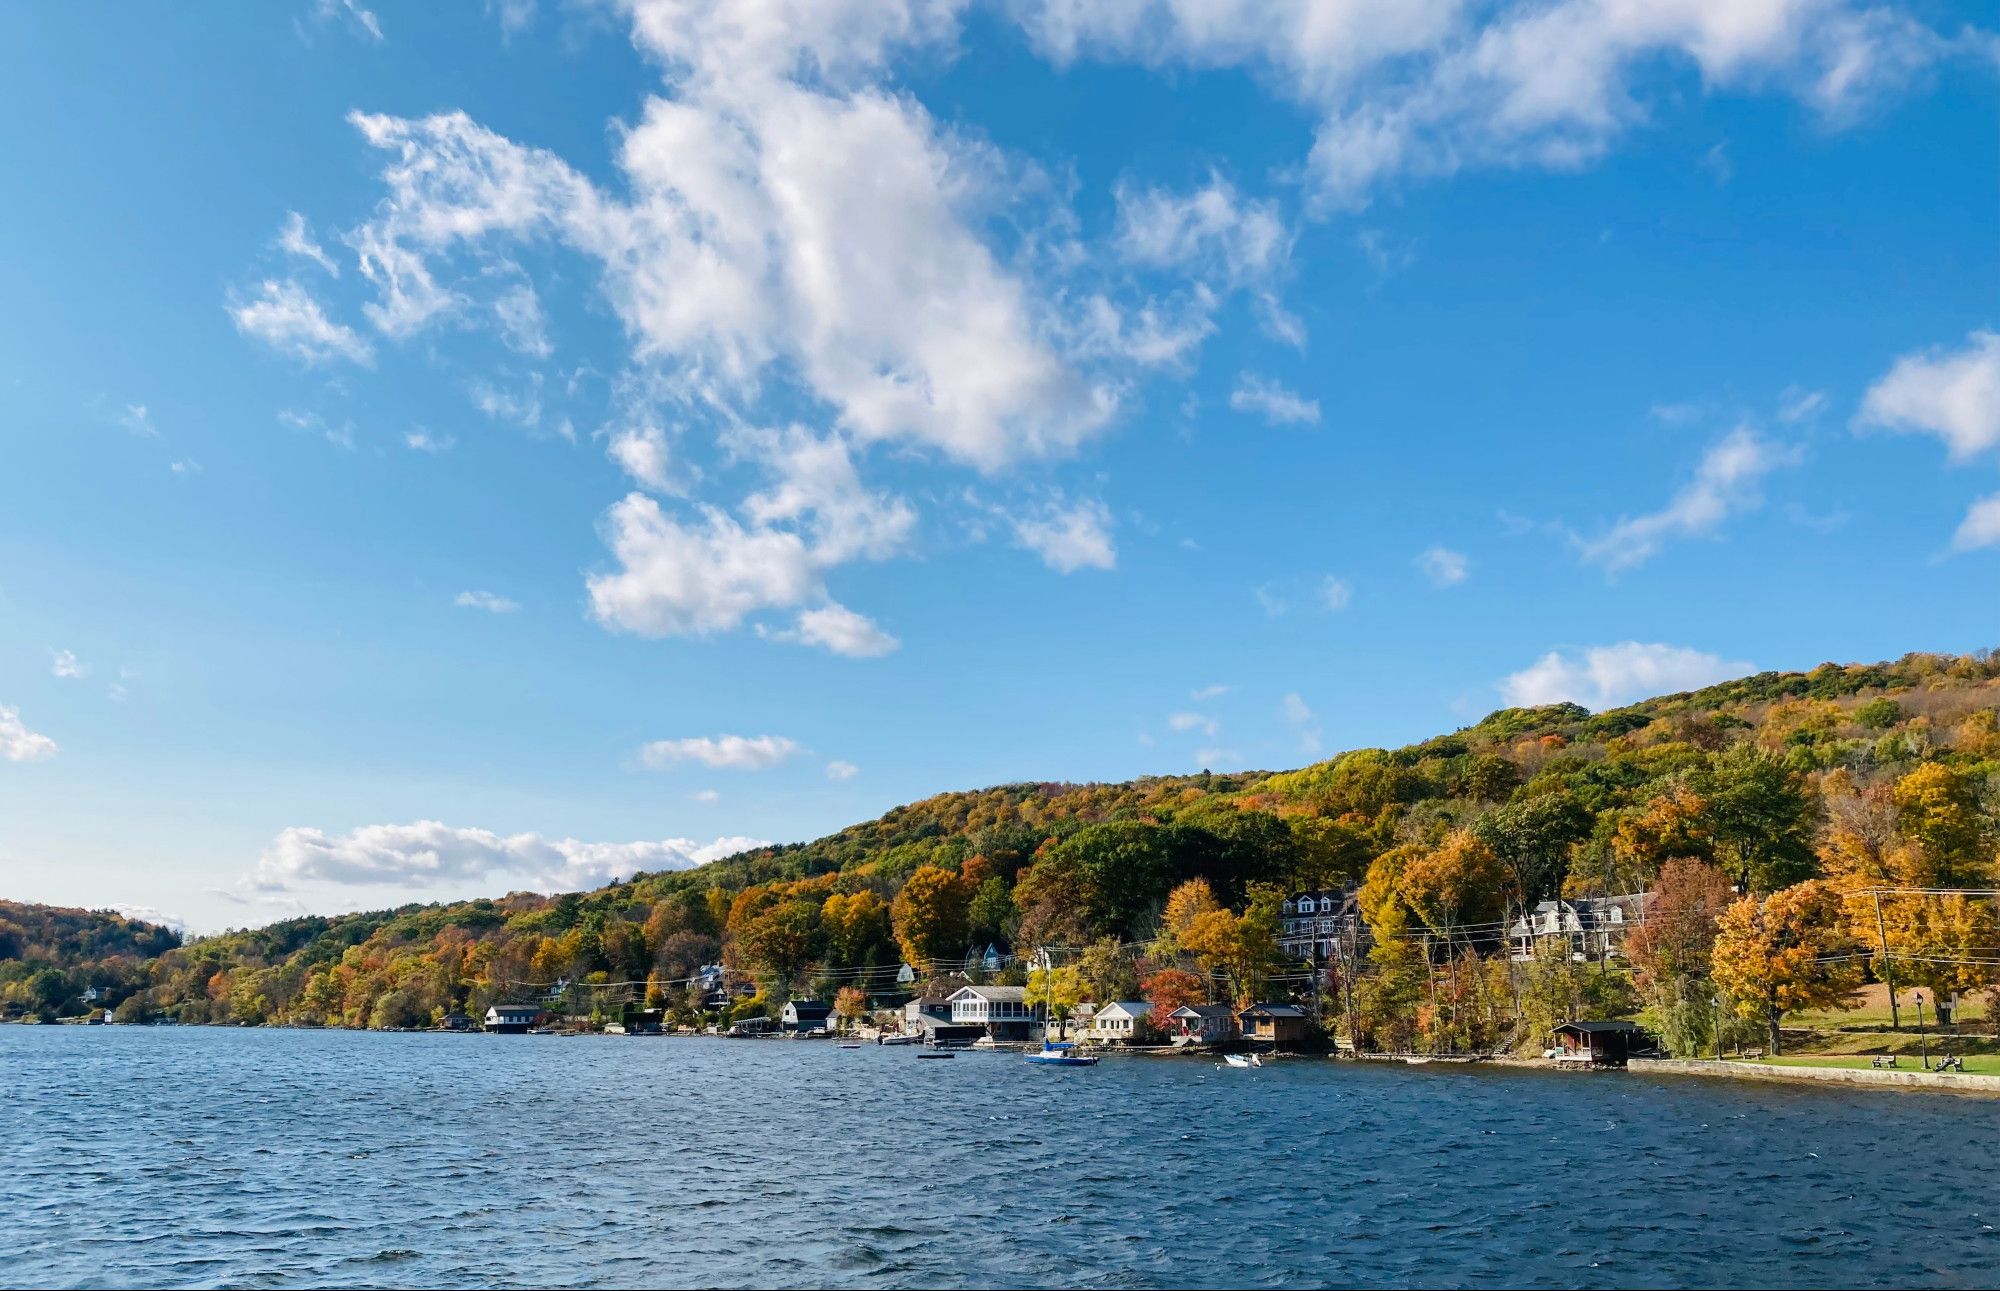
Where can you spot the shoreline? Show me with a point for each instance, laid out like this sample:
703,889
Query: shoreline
1860,1077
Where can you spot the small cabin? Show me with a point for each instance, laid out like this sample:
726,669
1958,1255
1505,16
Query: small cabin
455,1022
1279,1024
1202,1023
1600,1044
1121,1020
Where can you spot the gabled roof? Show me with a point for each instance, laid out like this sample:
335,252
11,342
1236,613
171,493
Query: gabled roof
1273,1011
1203,1011
1130,1008
809,1008
1599,1028
993,994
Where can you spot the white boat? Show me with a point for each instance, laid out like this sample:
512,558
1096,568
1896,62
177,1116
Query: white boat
898,1039
1242,1059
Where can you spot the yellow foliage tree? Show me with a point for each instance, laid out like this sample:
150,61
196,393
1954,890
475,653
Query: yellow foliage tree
1791,951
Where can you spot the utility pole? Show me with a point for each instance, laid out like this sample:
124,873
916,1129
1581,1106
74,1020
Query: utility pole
1888,965
1350,964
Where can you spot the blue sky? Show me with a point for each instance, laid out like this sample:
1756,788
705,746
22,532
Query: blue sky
457,448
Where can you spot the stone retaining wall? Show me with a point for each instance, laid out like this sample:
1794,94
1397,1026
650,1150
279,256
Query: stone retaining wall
1949,1082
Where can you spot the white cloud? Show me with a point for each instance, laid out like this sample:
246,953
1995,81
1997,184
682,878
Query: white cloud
1272,401
116,692
1334,594
695,579
362,22
185,466
515,16
1186,722
1953,394
341,436
284,316
1068,537
138,421
422,441
1206,693
643,453
18,743
1725,484
487,601
523,325
838,770
521,406
1797,404
1429,87
429,853
67,666
815,482
1305,725
734,752
836,628
296,239
1212,231
706,796
1444,567
1607,676
153,915
1981,526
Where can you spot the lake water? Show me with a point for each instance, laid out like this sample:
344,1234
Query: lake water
194,1157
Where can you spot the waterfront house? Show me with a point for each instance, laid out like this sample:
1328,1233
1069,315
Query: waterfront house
1592,926
455,1022
1202,1023
806,1015
1003,1012
1279,1024
1322,925
1600,1044
512,1019
1120,1020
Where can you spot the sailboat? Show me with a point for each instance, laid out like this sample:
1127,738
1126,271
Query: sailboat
1056,1053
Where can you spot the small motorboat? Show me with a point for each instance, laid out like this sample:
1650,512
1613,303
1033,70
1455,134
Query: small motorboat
1242,1059
1061,1053
897,1039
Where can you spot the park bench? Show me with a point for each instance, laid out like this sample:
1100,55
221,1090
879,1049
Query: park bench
1883,1060
1950,1062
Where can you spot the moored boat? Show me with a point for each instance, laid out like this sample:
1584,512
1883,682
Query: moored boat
1061,1053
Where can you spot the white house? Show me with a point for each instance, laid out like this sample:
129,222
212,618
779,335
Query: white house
512,1019
1120,1020
1003,1010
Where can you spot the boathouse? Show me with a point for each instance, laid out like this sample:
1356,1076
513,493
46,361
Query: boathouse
1600,1044
1278,1024
1002,1011
806,1015
512,1019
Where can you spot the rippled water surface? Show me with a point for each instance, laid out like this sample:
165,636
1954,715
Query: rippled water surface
191,1157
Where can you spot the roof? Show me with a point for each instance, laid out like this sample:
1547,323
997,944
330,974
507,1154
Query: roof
515,1008
809,1008
994,994
1599,1028
1274,1011
1130,1008
1203,1011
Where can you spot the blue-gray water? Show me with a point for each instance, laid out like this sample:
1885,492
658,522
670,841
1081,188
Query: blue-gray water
193,1157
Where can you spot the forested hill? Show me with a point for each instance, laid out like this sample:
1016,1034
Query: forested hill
1764,778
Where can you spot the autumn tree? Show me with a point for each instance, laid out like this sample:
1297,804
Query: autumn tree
1790,951
1457,885
1057,988
930,916
850,1005
1173,988
857,928
1939,810
1670,951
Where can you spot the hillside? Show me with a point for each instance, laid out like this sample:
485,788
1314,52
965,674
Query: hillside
1859,774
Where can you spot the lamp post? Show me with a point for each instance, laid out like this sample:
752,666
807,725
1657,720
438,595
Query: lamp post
1923,1040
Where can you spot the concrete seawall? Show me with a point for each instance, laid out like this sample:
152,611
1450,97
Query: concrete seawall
1896,1078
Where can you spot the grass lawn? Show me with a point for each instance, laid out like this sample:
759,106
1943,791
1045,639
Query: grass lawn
1871,1009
